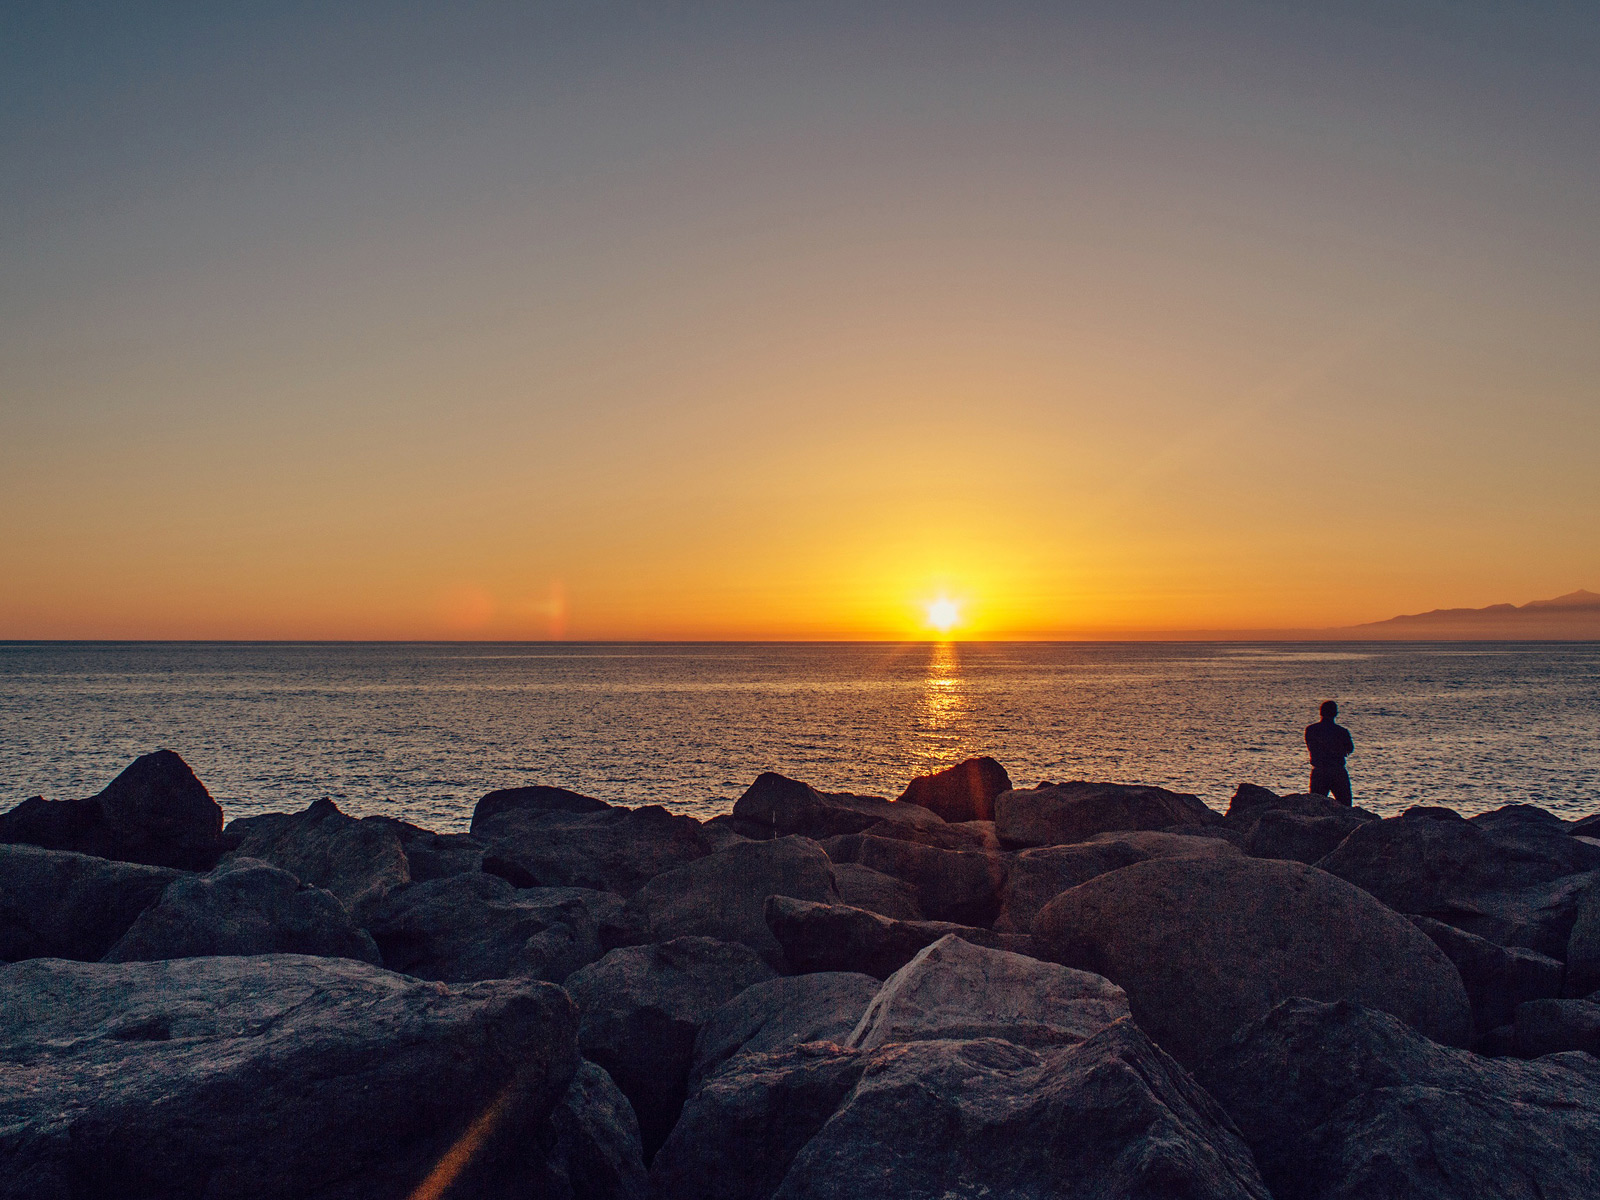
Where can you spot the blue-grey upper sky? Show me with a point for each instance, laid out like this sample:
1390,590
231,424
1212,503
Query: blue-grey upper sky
781,318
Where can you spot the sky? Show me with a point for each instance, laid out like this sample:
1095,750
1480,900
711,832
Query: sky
790,320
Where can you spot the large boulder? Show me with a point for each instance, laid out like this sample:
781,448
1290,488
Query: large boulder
836,937
1497,978
780,1014
245,906
271,1076
1539,917
1039,875
538,800
589,1145
1339,1101
611,850
641,1008
1111,1116
431,855
156,812
56,904
359,861
953,990
477,926
1583,945
1431,860
1302,828
724,895
952,885
1553,1026
776,806
1056,814
964,792
740,1131
862,887
1203,945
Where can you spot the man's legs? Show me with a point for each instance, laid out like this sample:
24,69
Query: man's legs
1333,781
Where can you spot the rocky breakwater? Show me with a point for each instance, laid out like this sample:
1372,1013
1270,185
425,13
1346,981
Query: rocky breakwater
1080,988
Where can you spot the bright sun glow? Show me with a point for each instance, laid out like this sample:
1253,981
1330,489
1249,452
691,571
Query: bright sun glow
944,614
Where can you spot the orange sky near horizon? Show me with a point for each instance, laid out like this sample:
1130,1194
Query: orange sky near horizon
784,323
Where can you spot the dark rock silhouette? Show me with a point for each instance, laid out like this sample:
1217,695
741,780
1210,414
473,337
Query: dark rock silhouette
156,812
862,887
724,895
1062,813
963,886
1497,978
359,861
244,906
536,801
1337,1101
836,937
964,792
271,1076
477,926
612,850
776,806
1038,876
780,1014
1553,1026
1202,946
56,904
1302,828
641,1008
589,1148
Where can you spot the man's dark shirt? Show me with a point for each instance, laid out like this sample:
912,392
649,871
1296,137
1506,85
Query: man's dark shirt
1329,743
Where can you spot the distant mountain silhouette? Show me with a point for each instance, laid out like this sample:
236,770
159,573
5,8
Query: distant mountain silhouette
1575,616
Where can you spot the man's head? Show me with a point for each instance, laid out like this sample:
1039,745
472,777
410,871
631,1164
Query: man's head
1329,710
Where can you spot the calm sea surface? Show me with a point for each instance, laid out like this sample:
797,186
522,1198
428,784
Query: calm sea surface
421,731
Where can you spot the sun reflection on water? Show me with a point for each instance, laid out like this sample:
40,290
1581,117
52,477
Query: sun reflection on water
944,706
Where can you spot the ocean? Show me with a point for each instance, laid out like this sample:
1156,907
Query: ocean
420,731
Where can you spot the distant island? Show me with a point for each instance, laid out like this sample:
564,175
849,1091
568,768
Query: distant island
1575,616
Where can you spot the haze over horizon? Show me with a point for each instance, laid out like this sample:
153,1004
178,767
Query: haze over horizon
767,321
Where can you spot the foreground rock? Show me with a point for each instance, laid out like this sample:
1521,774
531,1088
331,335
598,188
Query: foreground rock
56,904
359,861
1202,946
1059,814
955,990
156,812
589,1147
776,806
274,1076
1038,876
1337,1101
642,1007
862,887
476,926
1583,945
836,937
964,792
1497,978
724,895
964,886
611,849
243,907
1433,862
1112,1116
780,1014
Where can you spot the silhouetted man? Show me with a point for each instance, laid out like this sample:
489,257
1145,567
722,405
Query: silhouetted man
1329,743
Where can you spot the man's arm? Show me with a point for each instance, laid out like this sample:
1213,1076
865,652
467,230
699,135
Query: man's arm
1349,745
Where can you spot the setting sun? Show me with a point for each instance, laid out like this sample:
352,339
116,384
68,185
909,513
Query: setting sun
944,614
